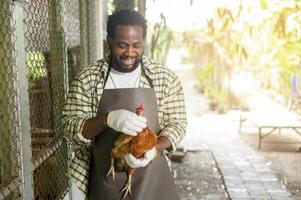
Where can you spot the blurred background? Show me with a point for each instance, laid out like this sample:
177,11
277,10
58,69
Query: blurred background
236,47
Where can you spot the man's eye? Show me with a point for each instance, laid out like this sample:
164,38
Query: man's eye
122,46
137,46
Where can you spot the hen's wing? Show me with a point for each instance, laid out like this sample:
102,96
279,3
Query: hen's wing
144,141
121,146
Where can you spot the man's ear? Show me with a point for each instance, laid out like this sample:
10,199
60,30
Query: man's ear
109,42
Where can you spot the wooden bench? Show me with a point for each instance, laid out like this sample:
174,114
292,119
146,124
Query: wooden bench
267,123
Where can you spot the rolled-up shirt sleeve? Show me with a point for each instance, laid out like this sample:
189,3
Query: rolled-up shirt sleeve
174,113
77,109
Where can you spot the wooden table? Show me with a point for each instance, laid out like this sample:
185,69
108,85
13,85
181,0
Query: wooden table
267,123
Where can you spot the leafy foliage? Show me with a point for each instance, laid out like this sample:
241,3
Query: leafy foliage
36,67
160,38
263,38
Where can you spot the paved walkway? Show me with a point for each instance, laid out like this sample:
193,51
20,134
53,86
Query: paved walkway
244,172
198,177
246,175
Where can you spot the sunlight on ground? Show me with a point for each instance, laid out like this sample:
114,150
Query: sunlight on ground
175,58
243,84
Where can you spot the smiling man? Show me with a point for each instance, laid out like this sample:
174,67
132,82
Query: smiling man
101,104
126,48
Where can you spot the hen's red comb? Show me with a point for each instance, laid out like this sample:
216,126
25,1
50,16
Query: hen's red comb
140,110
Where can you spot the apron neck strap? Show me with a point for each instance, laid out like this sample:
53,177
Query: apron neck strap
149,80
106,78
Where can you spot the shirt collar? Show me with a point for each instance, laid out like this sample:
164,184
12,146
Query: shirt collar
147,65
104,65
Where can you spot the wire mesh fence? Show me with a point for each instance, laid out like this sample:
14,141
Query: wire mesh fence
10,168
92,34
71,20
46,94
58,42
53,31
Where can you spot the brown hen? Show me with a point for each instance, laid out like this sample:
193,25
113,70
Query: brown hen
135,145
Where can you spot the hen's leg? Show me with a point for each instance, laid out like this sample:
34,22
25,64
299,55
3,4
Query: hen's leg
112,171
128,186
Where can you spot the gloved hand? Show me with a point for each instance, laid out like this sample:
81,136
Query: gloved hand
135,162
151,154
126,122
141,162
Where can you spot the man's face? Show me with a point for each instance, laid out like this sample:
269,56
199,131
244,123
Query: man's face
126,48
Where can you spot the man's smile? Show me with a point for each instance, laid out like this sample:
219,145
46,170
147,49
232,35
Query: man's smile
127,61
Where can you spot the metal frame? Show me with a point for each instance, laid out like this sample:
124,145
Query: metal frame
88,56
26,152
100,18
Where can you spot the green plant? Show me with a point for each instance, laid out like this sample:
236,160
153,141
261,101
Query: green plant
35,67
267,46
160,40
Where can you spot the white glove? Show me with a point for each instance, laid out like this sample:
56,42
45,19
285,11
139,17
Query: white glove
126,122
135,162
151,154
141,162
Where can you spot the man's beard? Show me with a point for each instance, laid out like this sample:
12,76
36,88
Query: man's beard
118,66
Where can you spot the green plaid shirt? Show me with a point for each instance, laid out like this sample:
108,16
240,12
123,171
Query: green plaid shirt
83,99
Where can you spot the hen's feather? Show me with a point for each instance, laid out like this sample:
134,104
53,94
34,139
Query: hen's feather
135,145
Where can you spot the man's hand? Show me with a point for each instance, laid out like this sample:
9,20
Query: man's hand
126,122
141,162
135,162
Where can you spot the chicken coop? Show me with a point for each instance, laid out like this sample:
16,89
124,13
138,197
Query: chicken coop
43,44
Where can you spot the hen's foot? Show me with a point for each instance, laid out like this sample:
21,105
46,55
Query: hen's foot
127,188
112,170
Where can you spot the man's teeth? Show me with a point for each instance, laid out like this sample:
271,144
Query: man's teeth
128,61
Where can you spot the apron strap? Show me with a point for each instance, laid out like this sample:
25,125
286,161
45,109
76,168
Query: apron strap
149,80
106,78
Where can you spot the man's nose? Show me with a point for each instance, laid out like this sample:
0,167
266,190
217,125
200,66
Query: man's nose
130,51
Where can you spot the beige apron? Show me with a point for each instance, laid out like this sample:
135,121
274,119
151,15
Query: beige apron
153,182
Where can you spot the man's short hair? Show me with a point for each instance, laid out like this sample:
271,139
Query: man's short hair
125,17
